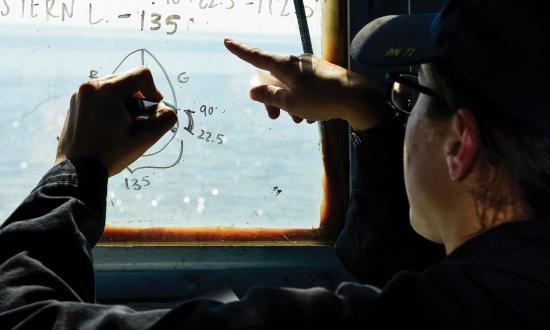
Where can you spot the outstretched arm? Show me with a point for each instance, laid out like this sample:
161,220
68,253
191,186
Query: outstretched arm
313,89
377,240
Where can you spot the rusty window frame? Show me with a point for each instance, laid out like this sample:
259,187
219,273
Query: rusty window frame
335,156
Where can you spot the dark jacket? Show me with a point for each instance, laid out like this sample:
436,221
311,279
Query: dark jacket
498,280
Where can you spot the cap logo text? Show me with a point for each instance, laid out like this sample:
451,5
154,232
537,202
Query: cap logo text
395,52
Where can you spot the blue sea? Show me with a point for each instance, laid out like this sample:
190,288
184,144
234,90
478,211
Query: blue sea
237,169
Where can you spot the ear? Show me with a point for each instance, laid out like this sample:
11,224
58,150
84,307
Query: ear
462,144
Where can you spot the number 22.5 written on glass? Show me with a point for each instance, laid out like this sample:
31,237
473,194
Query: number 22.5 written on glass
207,137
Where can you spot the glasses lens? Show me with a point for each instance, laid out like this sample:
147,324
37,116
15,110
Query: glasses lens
402,96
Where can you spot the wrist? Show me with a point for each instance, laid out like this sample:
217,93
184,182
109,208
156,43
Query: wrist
59,159
365,104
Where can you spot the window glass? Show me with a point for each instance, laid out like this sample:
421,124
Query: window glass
224,164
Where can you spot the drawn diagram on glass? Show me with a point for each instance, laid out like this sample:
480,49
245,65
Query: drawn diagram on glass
144,53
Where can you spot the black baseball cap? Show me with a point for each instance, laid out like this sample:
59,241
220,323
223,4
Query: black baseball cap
500,47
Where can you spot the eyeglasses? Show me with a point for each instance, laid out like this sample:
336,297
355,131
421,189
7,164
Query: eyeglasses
404,90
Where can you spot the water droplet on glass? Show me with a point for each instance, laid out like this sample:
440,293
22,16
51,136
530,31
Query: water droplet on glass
154,203
215,192
23,165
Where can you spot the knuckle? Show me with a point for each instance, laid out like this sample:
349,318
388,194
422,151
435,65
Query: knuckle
172,116
145,72
291,65
274,95
87,88
269,91
145,75
294,60
107,85
256,52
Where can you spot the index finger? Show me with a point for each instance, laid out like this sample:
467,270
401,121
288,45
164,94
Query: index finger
139,79
276,64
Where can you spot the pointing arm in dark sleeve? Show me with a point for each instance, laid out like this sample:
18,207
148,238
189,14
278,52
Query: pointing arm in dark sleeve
377,240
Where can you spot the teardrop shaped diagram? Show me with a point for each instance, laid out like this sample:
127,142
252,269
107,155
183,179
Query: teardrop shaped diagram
156,157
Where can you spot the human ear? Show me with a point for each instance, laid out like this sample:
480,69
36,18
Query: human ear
462,144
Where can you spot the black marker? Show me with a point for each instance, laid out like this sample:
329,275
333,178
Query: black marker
141,107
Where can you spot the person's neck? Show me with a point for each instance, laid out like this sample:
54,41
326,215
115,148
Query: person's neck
476,219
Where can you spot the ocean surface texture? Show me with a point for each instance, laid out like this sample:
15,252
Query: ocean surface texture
225,164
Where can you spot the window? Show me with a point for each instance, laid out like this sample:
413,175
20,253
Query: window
225,172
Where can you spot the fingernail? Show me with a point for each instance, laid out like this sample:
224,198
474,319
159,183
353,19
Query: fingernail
227,40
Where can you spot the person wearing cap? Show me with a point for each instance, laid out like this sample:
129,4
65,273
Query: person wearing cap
476,155
476,171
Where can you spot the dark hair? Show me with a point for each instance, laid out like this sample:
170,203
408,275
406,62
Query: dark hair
520,152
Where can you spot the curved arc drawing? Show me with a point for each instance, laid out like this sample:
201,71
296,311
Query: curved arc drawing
175,129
